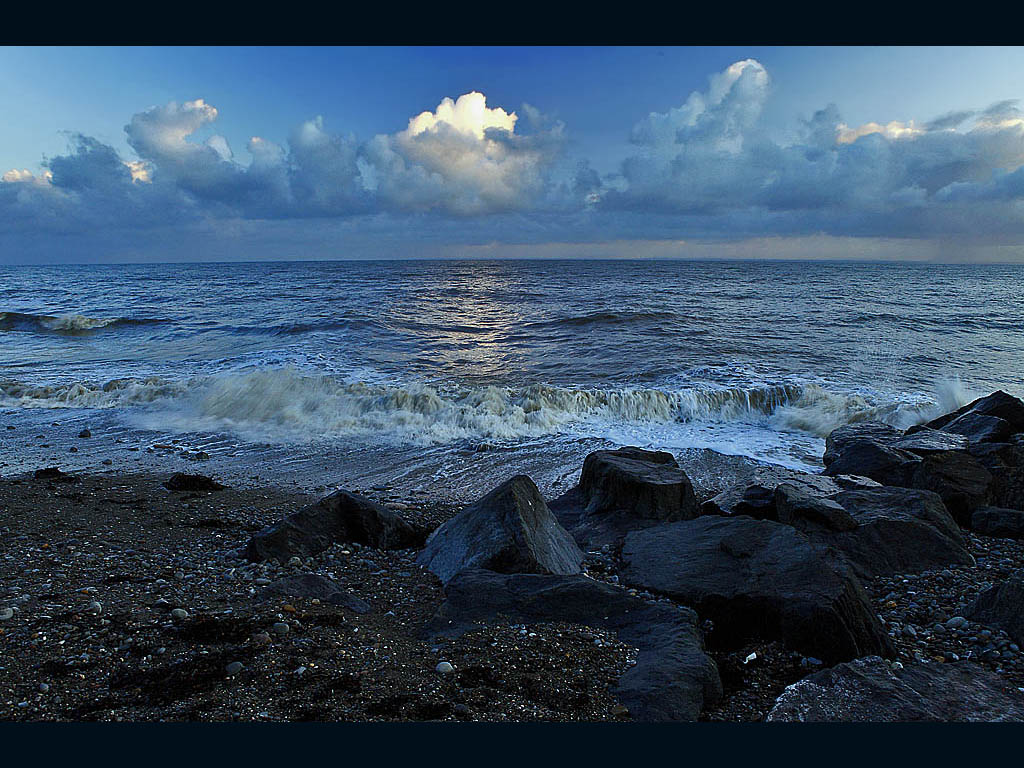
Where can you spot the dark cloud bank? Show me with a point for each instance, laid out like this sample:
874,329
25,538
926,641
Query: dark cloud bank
704,179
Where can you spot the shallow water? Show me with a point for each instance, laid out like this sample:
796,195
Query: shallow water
423,373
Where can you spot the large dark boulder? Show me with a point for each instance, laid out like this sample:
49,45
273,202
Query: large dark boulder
980,428
925,441
647,484
998,404
960,480
878,461
873,431
311,585
808,512
510,530
180,481
899,530
1005,462
756,497
758,580
998,522
673,679
1002,606
340,517
869,690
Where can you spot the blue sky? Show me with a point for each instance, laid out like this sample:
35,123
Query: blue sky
616,151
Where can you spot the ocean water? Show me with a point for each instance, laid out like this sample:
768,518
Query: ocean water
452,374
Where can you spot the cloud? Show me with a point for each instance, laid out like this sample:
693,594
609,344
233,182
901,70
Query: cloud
467,173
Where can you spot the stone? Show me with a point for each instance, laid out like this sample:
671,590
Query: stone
874,431
647,484
672,679
960,480
281,628
1002,606
181,481
873,459
998,522
85,433
756,497
444,668
234,668
795,506
870,690
999,404
6,613
925,441
758,580
313,586
899,530
180,614
510,530
855,482
980,428
1005,462
53,473
340,517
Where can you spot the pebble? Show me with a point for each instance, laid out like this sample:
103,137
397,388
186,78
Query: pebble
6,613
44,687
281,628
444,668
234,667
957,622
95,608
179,613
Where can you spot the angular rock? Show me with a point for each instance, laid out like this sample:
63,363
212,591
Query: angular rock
756,498
980,428
870,690
340,517
925,441
758,580
855,482
960,480
673,679
873,459
998,404
1005,462
899,530
181,481
1002,606
874,431
998,522
53,473
311,585
805,511
510,530
647,484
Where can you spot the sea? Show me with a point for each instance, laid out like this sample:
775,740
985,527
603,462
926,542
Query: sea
450,376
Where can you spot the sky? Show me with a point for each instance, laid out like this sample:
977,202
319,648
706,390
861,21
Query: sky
227,153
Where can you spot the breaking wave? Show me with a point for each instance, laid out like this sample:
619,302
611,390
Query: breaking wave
305,405
64,324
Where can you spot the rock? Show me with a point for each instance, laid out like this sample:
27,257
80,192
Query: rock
998,404
673,679
758,580
444,668
646,484
85,433
795,506
181,481
510,530
180,614
340,517
281,628
234,668
855,482
311,585
874,431
960,480
95,608
53,473
756,498
980,428
873,459
1005,462
998,522
870,690
925,441
6,613
899,530
1002,606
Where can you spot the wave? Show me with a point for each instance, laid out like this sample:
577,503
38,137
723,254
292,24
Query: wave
65,324
277,400
605,318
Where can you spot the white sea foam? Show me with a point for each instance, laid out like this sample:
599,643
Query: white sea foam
284,403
